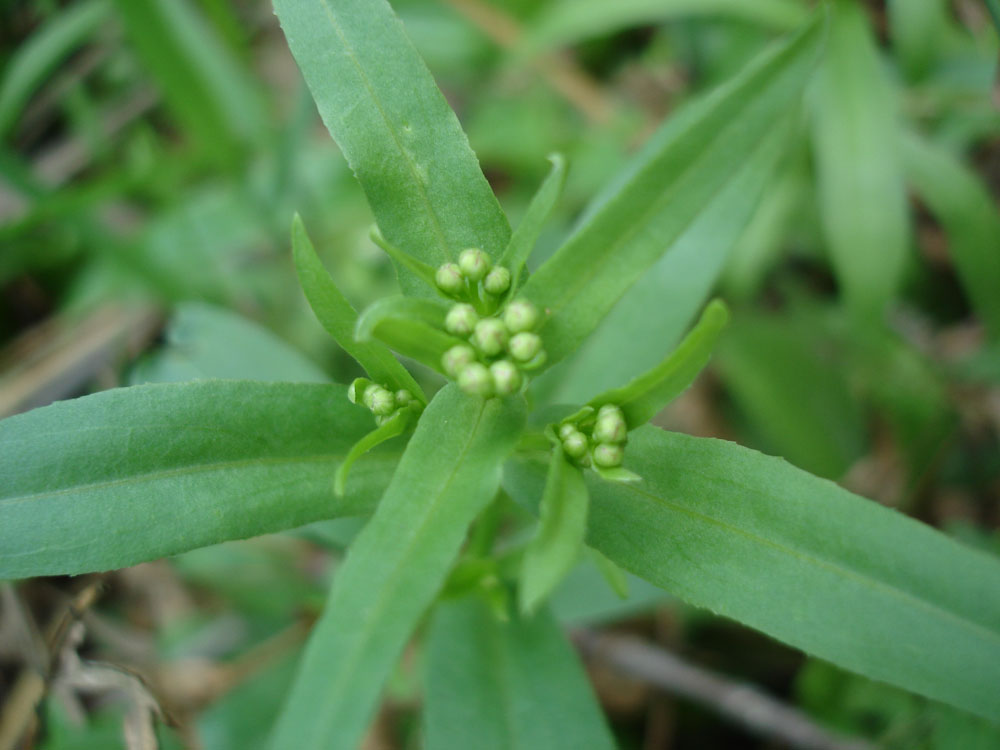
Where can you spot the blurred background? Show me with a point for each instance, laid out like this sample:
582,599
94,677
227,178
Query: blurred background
152,153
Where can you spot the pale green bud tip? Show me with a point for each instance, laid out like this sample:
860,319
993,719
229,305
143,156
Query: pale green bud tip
506,377
608,455
456,358
383,402
575,444
610,427
403,397
475,264
369,395
449,278
497,281
566,430
490,336
520,315
524,346
461,320
476,380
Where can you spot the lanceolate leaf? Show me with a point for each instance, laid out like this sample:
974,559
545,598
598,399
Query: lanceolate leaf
449,472
658,197
413,327
395,425
846,579
339,317
514,685
133,474
403,142
559,538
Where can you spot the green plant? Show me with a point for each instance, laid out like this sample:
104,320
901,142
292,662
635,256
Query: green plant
133,474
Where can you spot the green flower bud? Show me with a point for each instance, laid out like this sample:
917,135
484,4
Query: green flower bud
566,430
449,279
383,402
575,444
610,427
369,395
608,455
520,315
403,397
475,264
456,358
475,379
489,336
524,346
506,377
461,320
497,281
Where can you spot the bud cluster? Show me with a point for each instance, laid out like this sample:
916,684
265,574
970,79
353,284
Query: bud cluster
382,402
474,271
601,442
499,350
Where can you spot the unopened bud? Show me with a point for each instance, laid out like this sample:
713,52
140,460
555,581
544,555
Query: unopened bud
524,346
456,358
383,402
610,427
575,444
490,336
475,379
566,430
520,315
475,264
461,320
497,281
449,279
608,455
506,377
403,397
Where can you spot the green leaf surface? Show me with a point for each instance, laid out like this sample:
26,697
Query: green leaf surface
680,171
861,193
395,425
339,318
132,474
558,540
413,327
448,474
399,135
644,397
968,212
840,577
515,685
37,56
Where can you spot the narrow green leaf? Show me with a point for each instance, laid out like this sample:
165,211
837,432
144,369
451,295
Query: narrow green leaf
448,474
969,215
522,242
673,179
339,318
133,474
557,543
843,578
917,28
644,397
203,84
395,425
399,135
421,270
613,574
515,685
861,191
38,56
411,326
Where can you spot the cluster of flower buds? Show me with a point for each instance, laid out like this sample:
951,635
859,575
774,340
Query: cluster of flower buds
602,442
382,402
462,280
499,351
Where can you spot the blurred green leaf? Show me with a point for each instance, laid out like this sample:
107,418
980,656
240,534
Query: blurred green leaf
133,474
514,685
411,327
448,474
399,135
751,538
917,29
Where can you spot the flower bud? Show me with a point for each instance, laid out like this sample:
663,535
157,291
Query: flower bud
461,320
476,380
403,397
456,358
449,279
575,444
383,402
608,455
524,346
610,427
520,315
497,281
475,264
566,430
368,397
506,377
489,336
